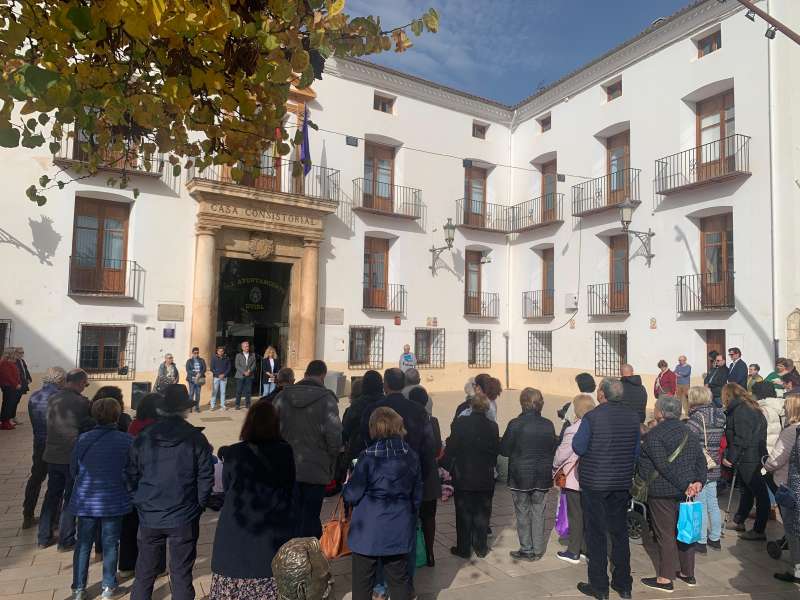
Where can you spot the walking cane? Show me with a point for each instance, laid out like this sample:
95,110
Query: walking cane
730,499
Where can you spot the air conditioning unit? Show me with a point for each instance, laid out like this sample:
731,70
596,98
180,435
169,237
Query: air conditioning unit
571,302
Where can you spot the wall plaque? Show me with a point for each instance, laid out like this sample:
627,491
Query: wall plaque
331,316
170,312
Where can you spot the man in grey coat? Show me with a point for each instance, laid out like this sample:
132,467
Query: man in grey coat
245,365
309,420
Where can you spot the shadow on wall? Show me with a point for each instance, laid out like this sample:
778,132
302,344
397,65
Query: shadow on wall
44,239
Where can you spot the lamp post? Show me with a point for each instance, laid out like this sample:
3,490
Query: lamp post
449,236
644,237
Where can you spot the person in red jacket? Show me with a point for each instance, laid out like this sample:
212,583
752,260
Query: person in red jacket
10,385
666,381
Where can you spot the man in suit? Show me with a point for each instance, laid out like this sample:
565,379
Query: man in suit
245,365
716,378
737,371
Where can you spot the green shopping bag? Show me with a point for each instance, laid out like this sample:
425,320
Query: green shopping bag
421,558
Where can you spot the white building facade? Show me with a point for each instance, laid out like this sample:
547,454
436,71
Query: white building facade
693,123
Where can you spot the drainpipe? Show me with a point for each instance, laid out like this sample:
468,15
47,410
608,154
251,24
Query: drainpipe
773,224
509,270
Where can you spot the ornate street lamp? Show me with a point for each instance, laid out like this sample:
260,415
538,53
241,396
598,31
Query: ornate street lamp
625,217
449,236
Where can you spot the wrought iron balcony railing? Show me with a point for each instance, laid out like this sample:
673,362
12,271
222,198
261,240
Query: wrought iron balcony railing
108,277
705,292
713,162
482,304
483,215
537,212
537,303
603,193
388,298
396,200
607,299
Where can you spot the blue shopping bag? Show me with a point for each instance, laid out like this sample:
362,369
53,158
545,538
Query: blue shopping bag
690,522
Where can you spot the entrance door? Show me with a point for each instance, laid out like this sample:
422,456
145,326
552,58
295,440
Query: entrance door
548,281
716,146
717,251
618,286
618,156
99,246
475,197
549,186
472,292
376,272
715,341
378,177
268,176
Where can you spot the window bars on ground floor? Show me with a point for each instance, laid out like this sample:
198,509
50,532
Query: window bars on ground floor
429,347
540,350
610,352
107,350
479,348
366,347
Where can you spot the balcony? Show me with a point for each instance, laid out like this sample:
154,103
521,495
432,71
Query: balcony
108,278
485,305
278,176
385,199
390,298
538,212
705,292
537,304
483,216
73,152
608,299
604,193
714,162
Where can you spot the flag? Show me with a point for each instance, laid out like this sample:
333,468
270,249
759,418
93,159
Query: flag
305,149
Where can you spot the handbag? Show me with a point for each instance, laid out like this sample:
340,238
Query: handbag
562,518
334,533
420,552
690,521
710,462
560,478
640,485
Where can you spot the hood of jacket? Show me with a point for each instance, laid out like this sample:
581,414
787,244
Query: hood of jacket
632,380
773,404
714,417
172,431
305,393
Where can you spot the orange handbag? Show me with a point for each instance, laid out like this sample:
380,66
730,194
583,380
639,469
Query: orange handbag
334,533
560,478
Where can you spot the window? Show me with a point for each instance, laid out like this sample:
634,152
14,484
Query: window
544,123
548,281
475,202
618,150
479,348
472,282
610,352
429,347
618,276
549,189
5,334
99,247
383,104
614,90
540,350
716,250
376,269
479,131
107,351
366,348
710,43
378,177
716,127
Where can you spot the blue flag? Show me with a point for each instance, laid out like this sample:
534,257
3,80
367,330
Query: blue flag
305,149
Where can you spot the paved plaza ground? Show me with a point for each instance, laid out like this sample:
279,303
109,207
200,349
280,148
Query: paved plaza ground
740,570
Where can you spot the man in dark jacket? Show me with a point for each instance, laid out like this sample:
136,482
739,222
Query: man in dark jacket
607,442
67,417
737,372
634,395
170,475
716,378
309,419
195,376
220,369
529,443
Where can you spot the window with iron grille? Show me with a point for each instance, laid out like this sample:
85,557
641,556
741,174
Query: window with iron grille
479,131
429,347
610,352
5,334
479,348
366,347
383,104
107,351
540,350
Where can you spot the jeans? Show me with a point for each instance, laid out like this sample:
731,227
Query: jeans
244,384
219,388
753,489
473,510
673,556
308,499
194,393
529,512
59,488
395,570
110,528
605,516
712,518
34,485
182,542
267,388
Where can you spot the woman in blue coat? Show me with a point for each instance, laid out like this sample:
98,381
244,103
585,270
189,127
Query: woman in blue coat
385,491
100,497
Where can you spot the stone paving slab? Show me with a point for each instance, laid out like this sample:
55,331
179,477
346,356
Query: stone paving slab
741,570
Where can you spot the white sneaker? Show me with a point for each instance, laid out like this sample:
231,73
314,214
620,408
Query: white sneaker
78,594
109,592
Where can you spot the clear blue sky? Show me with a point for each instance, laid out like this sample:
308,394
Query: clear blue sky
506,49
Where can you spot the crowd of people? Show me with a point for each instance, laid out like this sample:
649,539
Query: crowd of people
131,488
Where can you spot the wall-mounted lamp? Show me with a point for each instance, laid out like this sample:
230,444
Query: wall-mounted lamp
625,217
449,236
770,33
750,15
